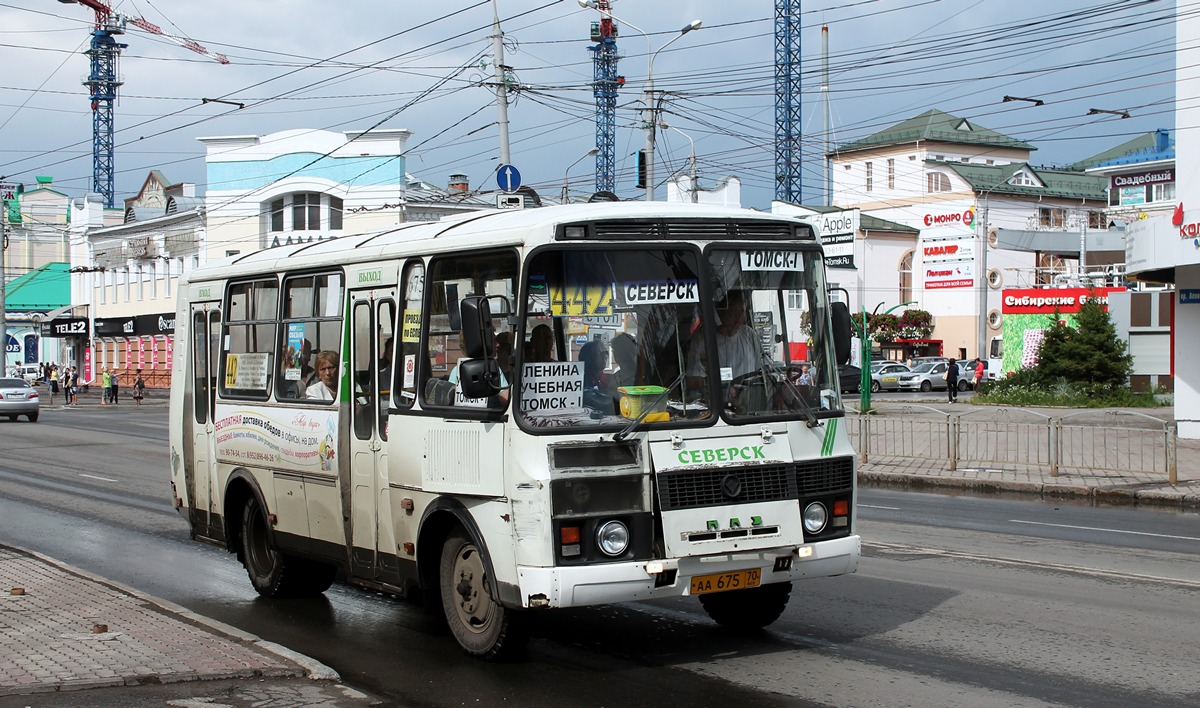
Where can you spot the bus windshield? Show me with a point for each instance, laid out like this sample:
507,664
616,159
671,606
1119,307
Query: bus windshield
644,336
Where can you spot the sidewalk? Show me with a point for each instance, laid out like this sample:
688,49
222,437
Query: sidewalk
932,473
64,631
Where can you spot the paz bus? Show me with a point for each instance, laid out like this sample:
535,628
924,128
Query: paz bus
512,411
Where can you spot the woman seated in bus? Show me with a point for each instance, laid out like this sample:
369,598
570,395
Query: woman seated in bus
325,387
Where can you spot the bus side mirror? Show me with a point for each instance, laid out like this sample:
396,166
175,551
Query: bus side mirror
840,314
478,340
479,378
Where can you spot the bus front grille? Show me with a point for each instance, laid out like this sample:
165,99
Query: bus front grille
694,489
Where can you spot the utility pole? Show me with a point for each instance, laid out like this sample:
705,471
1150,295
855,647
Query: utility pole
501,86
3,275
827,175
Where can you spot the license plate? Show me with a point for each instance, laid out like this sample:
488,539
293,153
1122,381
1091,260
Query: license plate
719,582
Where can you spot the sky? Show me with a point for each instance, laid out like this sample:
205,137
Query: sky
423,66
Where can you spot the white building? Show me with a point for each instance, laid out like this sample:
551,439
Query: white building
988,219
1166,248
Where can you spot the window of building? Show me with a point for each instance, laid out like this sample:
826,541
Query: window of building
870,175
937,182
306,212
1023,179
891,173
906,279
1049,265
277,214
1096,220
311,338
335,213
1052,217
1163,192
247,368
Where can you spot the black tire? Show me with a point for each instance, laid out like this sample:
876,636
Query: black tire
32,417
272,572
753,608
926,386
962,385
482,626
875,387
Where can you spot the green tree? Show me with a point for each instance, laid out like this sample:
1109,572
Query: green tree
1091,353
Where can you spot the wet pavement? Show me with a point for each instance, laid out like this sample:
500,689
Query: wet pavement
71,638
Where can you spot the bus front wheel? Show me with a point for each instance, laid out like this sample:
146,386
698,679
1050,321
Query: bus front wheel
273,572
482,626
752,608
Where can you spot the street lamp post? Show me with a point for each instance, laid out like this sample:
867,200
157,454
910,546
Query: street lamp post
652,110
864,385
694,187
586,155
648,94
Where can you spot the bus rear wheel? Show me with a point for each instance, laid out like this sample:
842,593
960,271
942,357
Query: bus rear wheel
752,608
482,626
272,572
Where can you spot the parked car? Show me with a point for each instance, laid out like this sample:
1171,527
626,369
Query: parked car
849,378
30,372
885,375
18,398
926,377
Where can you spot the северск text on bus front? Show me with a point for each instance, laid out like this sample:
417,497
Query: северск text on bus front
523,410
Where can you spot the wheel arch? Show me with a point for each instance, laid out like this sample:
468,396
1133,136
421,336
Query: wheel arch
437,523
241,487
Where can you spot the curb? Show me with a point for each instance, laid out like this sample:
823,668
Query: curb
312,668
1094,496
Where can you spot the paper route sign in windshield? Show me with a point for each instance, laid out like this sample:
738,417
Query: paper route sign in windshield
772,260
657,292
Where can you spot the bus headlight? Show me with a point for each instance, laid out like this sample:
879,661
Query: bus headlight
613,538
815,517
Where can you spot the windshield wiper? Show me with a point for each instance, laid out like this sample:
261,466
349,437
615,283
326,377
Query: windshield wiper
647,409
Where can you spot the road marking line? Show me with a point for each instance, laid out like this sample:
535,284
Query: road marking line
102,479
872,506
1093,528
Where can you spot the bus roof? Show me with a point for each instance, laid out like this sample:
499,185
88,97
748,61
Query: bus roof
499,227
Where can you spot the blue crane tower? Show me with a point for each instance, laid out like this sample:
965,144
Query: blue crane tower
604,87
788,156
102,83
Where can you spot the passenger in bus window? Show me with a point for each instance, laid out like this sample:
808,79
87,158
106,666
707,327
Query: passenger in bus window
542,343
625,354
325,388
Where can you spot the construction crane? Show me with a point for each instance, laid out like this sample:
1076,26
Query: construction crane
102,83
605,83
788,155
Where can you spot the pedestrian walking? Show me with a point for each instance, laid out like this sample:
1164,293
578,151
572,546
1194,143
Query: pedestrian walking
139,388
106,386
952,381
116,388
74,385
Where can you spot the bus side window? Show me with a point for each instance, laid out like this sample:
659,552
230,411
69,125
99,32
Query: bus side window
311,330
452,278
410,362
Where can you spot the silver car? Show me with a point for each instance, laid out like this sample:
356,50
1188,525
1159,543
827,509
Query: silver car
885,375
18,398
925,377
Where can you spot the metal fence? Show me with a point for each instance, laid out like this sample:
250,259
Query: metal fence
1119,442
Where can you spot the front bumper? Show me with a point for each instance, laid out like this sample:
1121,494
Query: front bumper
626,582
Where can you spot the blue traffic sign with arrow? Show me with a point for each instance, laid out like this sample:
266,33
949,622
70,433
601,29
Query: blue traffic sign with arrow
509,178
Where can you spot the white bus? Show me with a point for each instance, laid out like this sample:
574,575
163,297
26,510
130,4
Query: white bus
513,411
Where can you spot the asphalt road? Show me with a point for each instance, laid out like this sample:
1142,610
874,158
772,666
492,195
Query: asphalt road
958,601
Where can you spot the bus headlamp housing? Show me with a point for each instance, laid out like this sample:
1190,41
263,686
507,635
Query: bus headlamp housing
612,538
816,516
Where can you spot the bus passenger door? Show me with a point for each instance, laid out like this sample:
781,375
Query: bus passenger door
206,335
373,319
